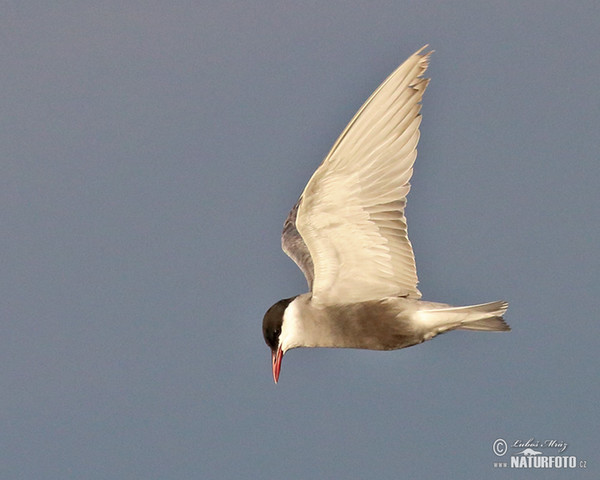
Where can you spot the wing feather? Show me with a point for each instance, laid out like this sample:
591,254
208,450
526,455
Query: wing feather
350,218
295,248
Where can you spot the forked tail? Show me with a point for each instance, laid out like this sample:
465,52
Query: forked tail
486,317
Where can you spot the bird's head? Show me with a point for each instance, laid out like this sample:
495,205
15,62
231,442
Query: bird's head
272,327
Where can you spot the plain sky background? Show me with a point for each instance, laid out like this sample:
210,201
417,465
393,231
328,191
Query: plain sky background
150,152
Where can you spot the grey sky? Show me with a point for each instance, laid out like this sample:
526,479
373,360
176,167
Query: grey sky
150,153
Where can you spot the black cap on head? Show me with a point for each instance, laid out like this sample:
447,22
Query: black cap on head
272,322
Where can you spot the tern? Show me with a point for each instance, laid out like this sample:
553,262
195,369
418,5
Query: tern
347,233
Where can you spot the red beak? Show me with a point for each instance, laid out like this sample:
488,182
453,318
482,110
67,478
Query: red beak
276,358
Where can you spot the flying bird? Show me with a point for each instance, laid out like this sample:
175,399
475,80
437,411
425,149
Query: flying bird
347,232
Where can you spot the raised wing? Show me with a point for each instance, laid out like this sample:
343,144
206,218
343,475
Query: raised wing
293,245
351,213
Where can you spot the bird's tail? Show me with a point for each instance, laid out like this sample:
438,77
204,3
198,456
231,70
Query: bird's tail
486,317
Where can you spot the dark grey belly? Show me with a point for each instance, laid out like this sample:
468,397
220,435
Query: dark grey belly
376,325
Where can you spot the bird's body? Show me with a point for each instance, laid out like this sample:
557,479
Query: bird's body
348,235
386,324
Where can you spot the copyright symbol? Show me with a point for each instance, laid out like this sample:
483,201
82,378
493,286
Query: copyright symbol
500,447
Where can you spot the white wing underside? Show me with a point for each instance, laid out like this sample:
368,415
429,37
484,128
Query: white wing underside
351,213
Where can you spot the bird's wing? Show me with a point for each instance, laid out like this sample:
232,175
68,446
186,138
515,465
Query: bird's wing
351,213
293,245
